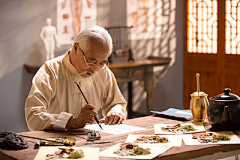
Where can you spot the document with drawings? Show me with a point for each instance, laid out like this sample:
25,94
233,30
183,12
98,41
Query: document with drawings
114,129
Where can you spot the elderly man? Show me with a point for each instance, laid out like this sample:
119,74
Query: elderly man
55,102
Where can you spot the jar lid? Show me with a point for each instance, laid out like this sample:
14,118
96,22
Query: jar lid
200,93
226,96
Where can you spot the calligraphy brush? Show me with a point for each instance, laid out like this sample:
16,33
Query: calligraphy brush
88,103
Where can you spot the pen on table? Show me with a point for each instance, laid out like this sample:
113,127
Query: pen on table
88,103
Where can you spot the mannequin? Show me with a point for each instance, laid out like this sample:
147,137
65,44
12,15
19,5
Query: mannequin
48,36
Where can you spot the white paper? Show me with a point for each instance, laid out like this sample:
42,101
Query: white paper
114,129
89,153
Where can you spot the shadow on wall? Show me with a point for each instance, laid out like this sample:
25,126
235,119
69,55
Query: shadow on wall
165,46
103,12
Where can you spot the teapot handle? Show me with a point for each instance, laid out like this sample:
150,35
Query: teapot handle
226,116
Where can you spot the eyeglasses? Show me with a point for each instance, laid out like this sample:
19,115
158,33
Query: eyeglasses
93,63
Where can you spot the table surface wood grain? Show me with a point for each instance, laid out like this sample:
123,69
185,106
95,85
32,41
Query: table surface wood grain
183,152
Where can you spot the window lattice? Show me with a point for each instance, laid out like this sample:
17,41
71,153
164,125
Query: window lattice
232,26
202,26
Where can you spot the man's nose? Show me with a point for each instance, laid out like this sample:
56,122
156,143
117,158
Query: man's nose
95,68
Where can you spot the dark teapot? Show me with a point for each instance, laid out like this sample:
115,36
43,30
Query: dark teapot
224,111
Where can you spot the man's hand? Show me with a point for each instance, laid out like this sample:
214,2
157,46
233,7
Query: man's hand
85,116
112,118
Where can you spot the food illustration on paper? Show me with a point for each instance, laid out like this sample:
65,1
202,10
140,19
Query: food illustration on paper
179,128
151,139
210,137
66,153
131,149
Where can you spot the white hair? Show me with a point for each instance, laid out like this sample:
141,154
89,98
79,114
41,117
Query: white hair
97,34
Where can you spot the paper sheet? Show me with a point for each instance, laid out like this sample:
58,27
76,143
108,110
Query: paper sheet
174,140
114,129
198,126
187,139
155,151
89,153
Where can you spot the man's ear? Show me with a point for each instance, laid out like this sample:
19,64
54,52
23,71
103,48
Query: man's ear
75,46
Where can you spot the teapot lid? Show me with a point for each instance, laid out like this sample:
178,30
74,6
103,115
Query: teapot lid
226,96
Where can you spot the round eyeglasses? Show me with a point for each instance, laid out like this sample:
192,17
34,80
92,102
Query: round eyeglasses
93,63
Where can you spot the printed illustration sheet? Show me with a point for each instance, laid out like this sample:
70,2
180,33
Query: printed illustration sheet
188,140
173,140
114,129
155,151
73,16
198,126
89,153
145,17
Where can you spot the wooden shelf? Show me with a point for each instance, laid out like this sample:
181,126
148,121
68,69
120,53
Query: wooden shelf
31,69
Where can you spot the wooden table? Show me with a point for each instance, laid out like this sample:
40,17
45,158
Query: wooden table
141,70
183,152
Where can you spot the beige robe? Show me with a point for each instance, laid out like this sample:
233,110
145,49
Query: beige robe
54,97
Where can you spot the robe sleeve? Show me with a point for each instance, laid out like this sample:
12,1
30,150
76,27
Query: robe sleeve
42,91
113,99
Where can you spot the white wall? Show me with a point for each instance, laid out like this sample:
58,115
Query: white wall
21,23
